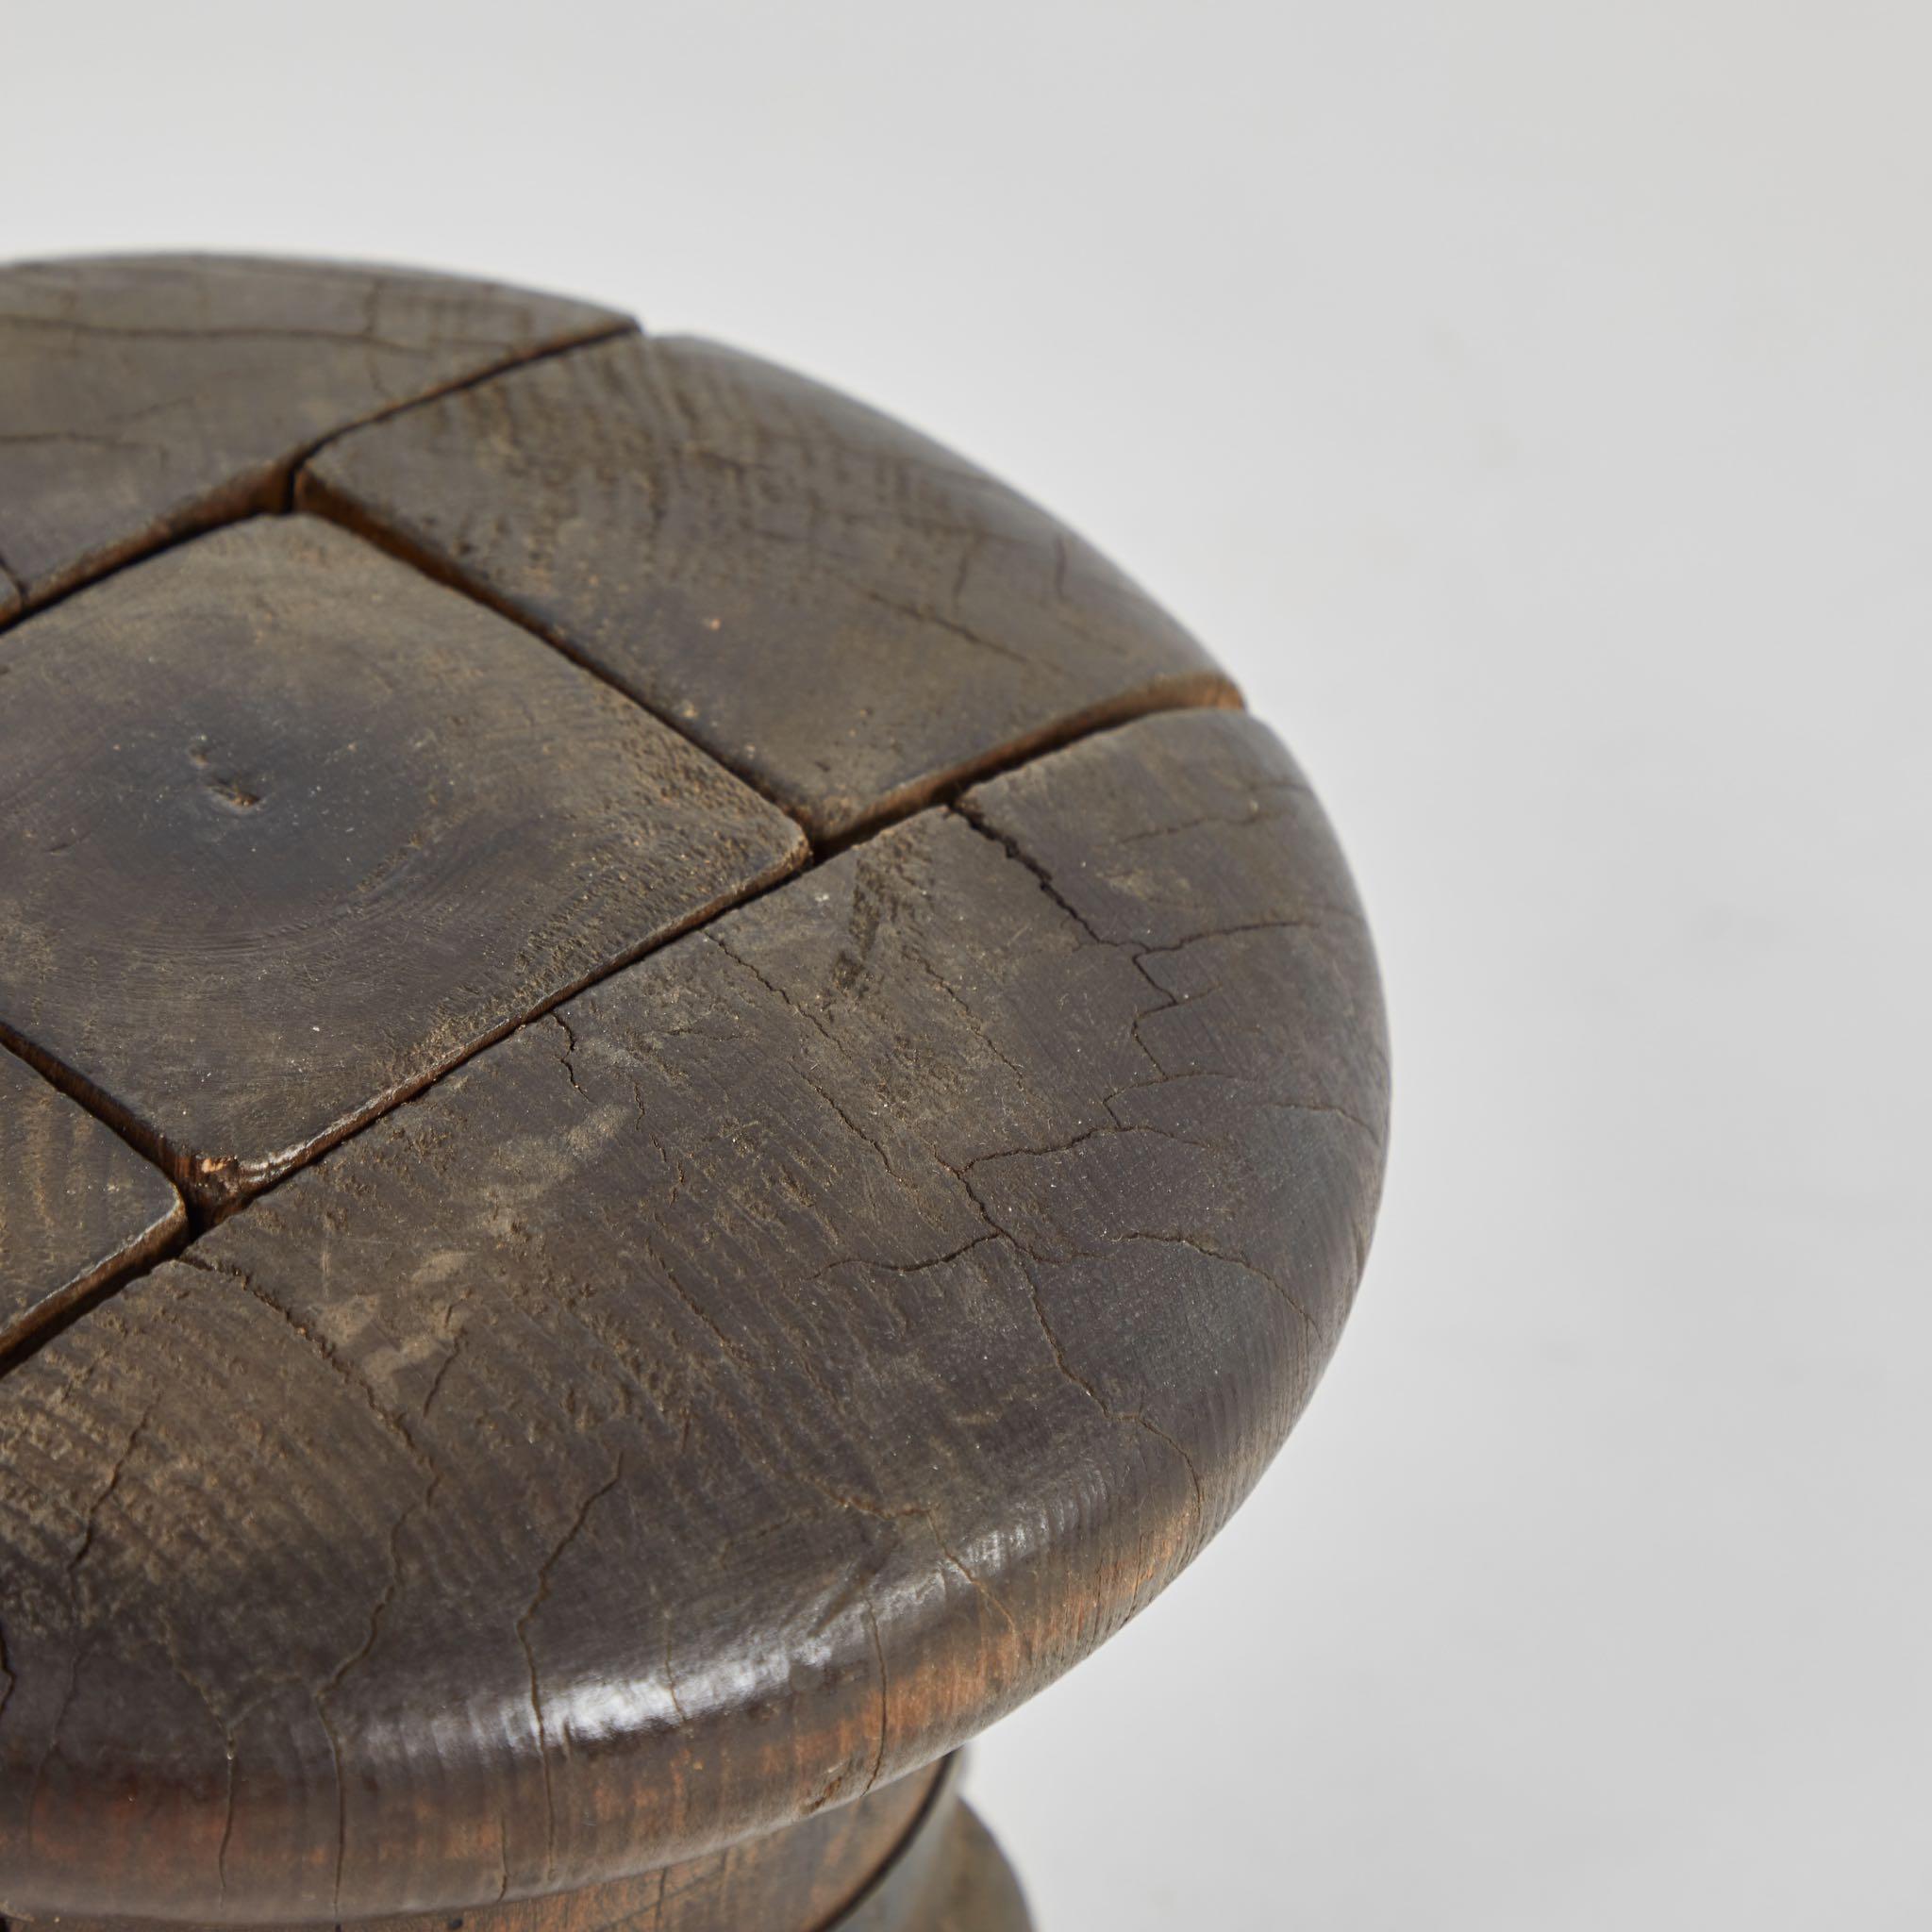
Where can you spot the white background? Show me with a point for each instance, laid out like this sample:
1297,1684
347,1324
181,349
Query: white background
1531,404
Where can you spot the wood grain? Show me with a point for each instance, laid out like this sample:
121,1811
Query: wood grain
77,1204
844,612
142,397
882,1863
908,1858
723,1396
684,1328
288,830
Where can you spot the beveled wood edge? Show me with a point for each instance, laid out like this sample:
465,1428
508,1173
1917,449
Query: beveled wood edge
947,1846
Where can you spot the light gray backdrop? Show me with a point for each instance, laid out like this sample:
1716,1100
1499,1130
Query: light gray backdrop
1531,404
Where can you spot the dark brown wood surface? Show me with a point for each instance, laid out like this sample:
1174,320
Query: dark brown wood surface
885,1863
701,526
723,1396
77,1204
686,1323
288,830
909,1857
144,397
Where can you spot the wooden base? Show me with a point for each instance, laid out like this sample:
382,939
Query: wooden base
910,1857
949,1876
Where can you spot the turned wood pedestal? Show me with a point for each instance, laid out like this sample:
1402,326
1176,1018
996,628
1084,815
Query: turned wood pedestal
681,1102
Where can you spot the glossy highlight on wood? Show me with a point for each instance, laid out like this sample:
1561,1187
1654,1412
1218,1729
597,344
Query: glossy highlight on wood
777,1105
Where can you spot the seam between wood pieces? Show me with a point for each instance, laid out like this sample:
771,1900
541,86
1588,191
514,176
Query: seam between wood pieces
291,488
1203,691
311,497
509,366
274,498
273,493
33,1338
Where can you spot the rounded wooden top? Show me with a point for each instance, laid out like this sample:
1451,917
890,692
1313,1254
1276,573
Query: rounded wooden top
686,1102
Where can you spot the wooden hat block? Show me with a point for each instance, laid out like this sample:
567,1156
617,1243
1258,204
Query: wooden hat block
683,1102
